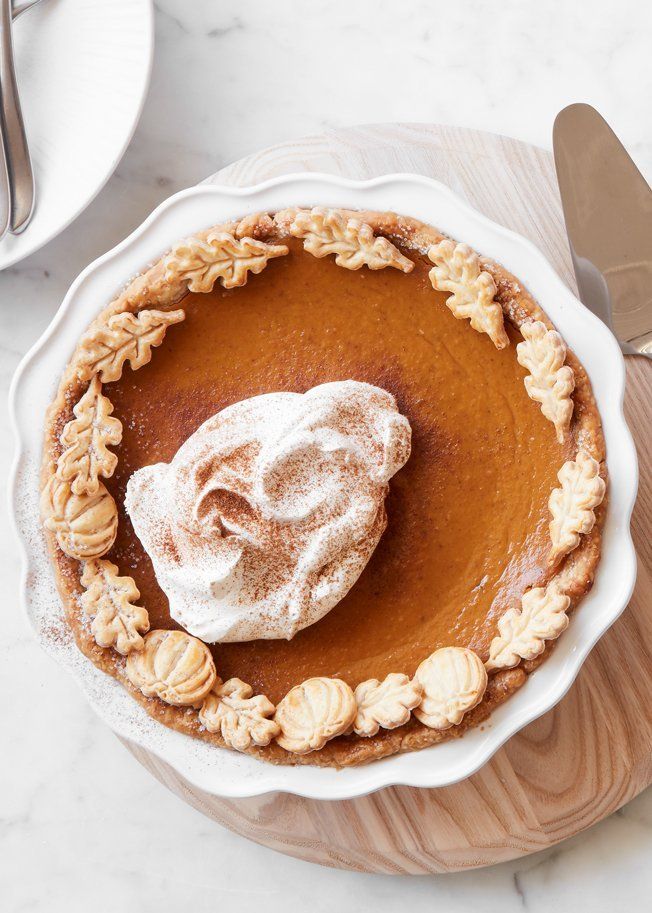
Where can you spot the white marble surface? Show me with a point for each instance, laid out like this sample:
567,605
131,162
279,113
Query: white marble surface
82,826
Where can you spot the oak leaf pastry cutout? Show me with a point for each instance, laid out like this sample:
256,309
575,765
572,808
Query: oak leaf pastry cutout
110,600
457,270
312,713
387,703
454,681
124,337
200,263
85,525
523,635
326,231
87,438
242,719
174,666
550,381
572,505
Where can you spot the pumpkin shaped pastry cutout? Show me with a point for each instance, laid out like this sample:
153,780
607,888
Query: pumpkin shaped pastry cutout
85,525
314,712
454,681
174,666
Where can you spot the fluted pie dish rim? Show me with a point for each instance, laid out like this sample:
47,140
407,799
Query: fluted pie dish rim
436,205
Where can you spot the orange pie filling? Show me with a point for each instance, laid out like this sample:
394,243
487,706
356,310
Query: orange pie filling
468,515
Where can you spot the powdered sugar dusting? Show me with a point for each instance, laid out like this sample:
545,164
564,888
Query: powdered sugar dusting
199,760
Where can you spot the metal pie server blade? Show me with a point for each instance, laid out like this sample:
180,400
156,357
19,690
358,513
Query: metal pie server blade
608,211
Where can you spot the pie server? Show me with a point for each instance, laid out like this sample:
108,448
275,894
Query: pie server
608,212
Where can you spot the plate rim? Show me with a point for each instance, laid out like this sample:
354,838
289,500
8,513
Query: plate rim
18,256
308,781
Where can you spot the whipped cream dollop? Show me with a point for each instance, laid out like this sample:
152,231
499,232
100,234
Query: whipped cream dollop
268,513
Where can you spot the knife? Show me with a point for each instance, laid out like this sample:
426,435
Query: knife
608,212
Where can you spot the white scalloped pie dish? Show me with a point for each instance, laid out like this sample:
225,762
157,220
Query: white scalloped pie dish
227,773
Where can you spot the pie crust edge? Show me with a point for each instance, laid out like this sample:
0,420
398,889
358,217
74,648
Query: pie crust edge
518,307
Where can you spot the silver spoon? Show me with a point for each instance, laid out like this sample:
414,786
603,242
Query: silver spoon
17,162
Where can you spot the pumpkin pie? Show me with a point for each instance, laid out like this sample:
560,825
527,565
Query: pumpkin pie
322,486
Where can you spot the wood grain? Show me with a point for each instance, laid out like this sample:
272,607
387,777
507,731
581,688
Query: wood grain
593,752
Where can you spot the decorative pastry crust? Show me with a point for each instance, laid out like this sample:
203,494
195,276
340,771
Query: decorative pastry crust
327,231
174,666
241,719
582,489
314,712
179,668
523,634
453,681
550,381
86,439
387,703
85,525
110,601
457,270
124,337
201,262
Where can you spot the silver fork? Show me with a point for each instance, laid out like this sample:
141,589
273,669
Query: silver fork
17,193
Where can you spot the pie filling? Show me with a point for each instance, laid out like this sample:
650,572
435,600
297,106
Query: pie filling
468,531
467,514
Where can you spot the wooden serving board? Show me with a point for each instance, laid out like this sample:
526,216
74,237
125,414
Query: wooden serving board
593,752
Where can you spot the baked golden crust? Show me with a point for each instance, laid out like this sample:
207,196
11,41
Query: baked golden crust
385,704
351,241
173,666
313,713
159,289
523,634
242,718
110,601
472,289
550,381
453,681
87,440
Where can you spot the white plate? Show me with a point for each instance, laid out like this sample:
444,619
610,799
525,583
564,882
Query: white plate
227,773
83,69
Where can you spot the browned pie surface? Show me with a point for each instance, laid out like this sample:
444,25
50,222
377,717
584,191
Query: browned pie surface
467,531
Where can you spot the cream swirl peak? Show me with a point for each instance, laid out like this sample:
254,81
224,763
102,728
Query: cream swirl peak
269,512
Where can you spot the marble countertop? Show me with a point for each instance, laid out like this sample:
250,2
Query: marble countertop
82,825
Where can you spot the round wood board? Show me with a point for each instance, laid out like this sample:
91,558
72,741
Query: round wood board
591,753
